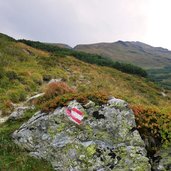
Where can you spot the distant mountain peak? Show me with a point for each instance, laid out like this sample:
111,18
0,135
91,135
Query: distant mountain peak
135,52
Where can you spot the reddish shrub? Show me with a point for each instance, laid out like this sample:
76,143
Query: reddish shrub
8,104
152,123
57,88
62,100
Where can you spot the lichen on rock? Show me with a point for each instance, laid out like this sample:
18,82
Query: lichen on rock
162,159
106,139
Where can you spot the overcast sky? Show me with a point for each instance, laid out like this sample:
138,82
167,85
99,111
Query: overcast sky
88,21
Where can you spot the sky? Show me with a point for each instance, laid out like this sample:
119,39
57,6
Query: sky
88,21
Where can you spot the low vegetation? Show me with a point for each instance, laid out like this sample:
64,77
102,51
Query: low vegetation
161,76
154,127
55,89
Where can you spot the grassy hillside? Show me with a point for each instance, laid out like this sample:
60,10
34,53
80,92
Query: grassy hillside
26,70
155,60
87,57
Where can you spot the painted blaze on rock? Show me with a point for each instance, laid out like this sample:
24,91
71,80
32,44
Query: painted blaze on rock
104,141
75,115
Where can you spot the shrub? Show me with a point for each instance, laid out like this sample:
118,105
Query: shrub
57,88
8,104
99,97
152,123
12,75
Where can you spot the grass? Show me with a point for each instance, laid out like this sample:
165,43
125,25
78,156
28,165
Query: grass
161,76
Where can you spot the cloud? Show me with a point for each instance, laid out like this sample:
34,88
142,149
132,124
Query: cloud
78,21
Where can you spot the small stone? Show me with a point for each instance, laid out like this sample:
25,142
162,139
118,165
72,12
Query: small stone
89,104
18,112
55,80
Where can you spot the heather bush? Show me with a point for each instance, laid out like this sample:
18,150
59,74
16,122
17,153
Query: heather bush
98,97
152,123
57,88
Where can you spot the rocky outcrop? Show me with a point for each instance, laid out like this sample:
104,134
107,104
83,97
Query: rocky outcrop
106,140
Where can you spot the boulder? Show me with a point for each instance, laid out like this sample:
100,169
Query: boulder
106,140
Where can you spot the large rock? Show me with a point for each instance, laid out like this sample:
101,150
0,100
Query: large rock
106,140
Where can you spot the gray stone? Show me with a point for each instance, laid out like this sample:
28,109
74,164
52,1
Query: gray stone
89,104
3,119
55,80
163,159
18,112
30,99
105,140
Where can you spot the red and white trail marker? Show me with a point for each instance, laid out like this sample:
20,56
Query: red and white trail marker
75,115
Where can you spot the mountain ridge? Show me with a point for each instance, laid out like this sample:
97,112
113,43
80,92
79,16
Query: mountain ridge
130,52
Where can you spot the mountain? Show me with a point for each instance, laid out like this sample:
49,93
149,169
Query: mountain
26,71
137,53
156,60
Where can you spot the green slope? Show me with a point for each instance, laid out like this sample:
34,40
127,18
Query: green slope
87,57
